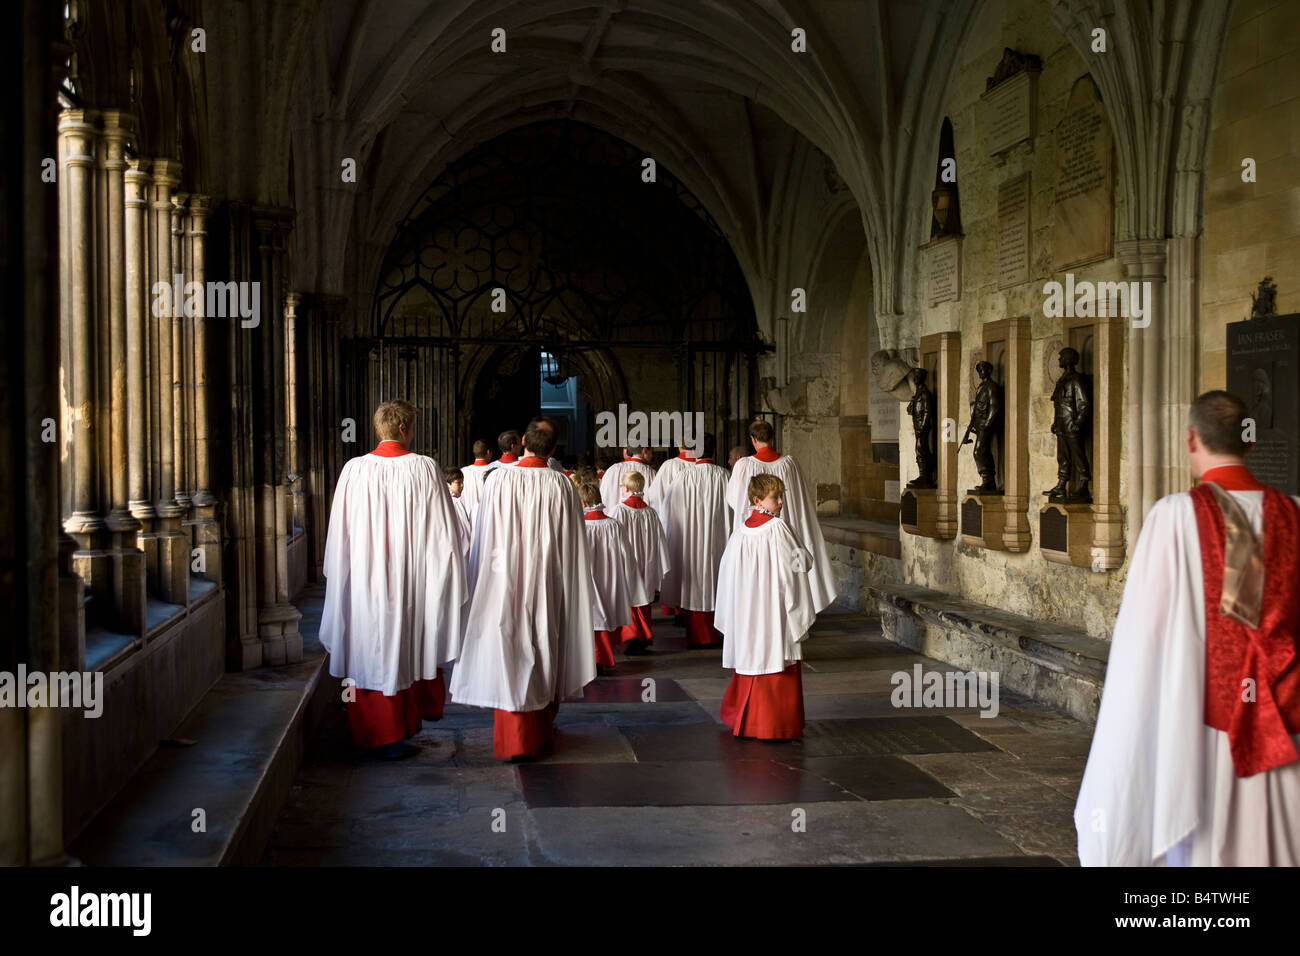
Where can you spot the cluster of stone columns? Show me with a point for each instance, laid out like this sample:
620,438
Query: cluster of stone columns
134,457
262,443
317,448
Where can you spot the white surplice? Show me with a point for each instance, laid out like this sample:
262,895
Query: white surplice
697,524
528,632
665,475
466,526
1159,787
614,574
764,601
611,487
395,577
799,513
473,488
649,546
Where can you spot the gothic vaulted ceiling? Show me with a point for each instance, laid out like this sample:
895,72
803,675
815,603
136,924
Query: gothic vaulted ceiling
712,89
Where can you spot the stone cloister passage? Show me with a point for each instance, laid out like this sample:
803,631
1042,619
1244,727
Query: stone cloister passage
232,229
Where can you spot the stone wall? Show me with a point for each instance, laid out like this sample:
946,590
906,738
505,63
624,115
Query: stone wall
146,696
1252,230
1025,583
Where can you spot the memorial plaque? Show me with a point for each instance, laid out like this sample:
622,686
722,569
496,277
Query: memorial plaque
1264,370
1013,232
1083,225
943,278
1054,531
972,518
907,509
1009,111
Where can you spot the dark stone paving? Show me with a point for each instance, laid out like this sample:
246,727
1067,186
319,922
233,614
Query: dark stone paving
637,781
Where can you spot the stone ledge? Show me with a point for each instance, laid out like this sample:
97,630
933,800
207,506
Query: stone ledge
1061,667
249,733
876,536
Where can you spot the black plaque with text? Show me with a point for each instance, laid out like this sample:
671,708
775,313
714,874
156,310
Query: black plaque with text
1264,371
907,509
1054,531
972,518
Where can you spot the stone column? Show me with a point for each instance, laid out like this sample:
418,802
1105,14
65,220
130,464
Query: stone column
246,445
173,552
31,768
277,618
297,504
127,561
78,146
179,380
138,299
206,531
332,386
1144,261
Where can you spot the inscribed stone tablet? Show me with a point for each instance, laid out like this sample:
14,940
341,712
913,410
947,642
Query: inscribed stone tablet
1013,232
1084,202
943,258
1009,111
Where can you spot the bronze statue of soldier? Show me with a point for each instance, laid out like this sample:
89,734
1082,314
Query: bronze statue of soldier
1072,410
922,411
985,423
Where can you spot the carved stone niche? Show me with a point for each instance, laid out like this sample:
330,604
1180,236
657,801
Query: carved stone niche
932,512
1001,522
1091,534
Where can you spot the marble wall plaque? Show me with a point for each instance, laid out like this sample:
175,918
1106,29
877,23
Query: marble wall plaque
1013,232
1009,111
943,270
1264,370
1083,224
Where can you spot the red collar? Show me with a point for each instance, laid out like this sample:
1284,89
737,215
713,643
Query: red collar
767,454
390,449
703,461
632,459
532,461
634,501
757,519
685,457
1233,478
508,459
479,461
595,514
601,473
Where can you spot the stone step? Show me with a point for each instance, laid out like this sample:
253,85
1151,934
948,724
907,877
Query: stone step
249,733
1058,666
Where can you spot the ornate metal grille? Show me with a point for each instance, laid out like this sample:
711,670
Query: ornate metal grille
547,238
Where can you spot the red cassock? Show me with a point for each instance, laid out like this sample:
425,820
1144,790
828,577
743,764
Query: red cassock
378,721
767,706
523,733
700,631
639,629
605,648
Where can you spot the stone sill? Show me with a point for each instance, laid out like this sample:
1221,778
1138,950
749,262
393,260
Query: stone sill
874,536
106,649
1059,649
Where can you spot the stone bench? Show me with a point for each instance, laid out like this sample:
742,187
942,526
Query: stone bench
1058,666
242,746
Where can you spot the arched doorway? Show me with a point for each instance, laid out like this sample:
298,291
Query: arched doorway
546,240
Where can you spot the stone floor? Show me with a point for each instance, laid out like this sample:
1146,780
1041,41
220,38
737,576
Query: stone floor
630,782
